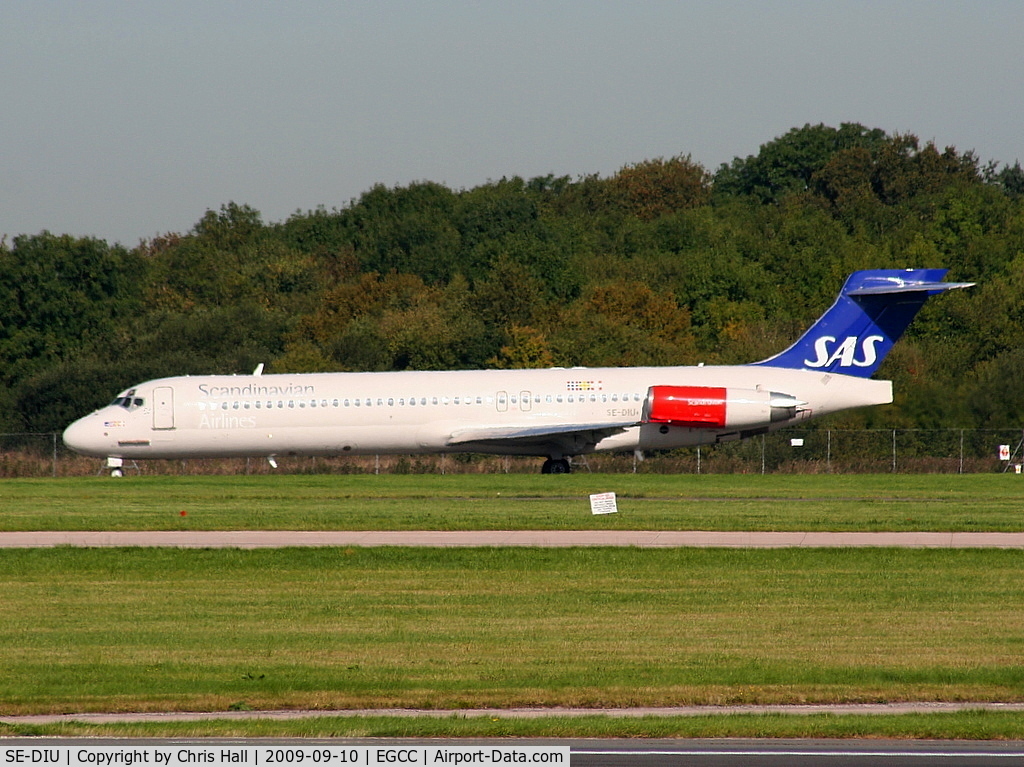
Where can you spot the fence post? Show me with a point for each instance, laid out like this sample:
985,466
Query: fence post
54,435
828,452
893,451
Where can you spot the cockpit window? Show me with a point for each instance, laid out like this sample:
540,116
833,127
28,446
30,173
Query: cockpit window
128,402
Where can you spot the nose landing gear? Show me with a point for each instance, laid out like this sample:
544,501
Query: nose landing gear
116,467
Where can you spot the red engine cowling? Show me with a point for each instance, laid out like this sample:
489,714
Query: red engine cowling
700,407
715,407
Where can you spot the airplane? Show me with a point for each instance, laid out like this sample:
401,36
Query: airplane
555,413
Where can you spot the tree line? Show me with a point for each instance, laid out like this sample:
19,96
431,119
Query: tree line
665,262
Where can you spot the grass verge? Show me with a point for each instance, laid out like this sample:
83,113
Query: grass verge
329,629
890,503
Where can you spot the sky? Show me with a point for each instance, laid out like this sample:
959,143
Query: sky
129,119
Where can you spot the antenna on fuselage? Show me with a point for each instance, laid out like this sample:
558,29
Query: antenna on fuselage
259,370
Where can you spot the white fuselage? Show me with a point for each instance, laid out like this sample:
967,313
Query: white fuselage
420,412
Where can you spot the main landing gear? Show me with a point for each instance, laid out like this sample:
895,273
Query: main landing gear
555,466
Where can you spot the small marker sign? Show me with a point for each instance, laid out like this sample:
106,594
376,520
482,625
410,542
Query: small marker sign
1004,452
603,503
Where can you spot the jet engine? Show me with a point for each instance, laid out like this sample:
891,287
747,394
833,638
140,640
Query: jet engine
713,407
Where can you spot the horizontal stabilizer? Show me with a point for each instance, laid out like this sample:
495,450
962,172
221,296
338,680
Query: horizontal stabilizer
931,288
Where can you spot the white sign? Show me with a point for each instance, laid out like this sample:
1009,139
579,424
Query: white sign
1004,452
603,503
796,442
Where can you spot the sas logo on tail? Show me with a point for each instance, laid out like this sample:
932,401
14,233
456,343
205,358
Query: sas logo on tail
845,353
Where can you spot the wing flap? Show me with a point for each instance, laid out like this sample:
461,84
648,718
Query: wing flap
548,434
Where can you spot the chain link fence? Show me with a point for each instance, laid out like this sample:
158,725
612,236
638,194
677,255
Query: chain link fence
790,451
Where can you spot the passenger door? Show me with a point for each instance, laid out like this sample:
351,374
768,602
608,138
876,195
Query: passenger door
163,407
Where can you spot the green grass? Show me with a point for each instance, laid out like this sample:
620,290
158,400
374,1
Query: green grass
135,630
971,503
138,630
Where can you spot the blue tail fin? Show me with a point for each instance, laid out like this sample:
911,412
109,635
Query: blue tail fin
872,311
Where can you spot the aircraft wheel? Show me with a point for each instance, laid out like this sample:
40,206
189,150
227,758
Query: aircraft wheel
555,466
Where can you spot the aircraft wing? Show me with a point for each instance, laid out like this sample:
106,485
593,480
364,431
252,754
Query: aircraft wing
569,437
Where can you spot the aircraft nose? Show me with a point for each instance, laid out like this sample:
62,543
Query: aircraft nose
85,436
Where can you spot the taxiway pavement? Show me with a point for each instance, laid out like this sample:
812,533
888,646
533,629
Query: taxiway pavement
257,539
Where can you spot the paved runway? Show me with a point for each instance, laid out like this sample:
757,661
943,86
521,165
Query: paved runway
256,539
863,709
583,752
